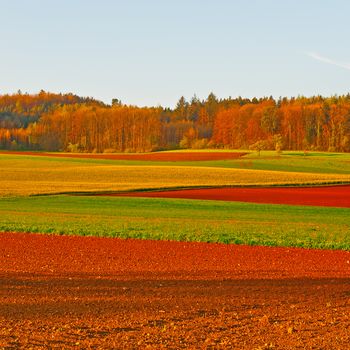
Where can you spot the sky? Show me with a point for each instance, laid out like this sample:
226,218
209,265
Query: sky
151,52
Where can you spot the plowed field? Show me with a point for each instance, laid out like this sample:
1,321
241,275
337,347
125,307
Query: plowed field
329,196
83,292
156,156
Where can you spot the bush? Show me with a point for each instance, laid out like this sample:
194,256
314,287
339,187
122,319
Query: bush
184,143
258,146
73,147
110,150
200,144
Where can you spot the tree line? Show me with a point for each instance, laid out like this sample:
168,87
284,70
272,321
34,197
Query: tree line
66,122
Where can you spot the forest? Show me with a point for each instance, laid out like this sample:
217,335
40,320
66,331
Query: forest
67,122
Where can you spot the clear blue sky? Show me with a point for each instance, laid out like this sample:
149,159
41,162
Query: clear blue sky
149,52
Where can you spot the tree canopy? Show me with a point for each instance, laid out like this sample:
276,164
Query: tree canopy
67,122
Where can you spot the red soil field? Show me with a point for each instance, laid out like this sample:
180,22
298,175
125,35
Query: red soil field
156,156
85,292
329,196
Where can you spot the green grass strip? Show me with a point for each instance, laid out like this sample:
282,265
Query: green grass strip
179,219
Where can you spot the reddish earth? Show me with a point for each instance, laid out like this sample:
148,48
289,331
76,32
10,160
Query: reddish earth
82,292
156,156
329,196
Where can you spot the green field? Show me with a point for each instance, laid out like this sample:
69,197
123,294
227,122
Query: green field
176,219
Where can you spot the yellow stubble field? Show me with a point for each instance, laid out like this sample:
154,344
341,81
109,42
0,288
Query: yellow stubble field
24,175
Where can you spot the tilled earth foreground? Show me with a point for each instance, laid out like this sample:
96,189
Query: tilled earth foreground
81,292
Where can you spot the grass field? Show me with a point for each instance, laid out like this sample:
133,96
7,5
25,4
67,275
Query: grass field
176,219
28,175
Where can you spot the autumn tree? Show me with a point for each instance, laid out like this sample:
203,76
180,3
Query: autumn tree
68,122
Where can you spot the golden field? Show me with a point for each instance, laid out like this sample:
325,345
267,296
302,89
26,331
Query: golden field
21,175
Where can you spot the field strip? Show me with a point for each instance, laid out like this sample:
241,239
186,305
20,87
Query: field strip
332,196
155,156
49,179
107,256
178,220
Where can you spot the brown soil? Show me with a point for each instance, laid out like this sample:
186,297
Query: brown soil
81,292
330,196
156,156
